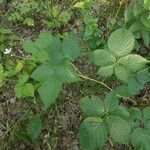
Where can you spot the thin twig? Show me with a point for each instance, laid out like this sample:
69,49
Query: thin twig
101,83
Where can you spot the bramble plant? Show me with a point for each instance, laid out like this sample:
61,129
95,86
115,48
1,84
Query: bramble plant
137,20
109,119
117,59
47,64
55,58
90,31
105,119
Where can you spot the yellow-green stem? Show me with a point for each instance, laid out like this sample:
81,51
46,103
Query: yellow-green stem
101,83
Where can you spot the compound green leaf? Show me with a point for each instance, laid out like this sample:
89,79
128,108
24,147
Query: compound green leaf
92,134
71,47
92,106
119,130
122,73
106,71
28,90
43,72
102,58
140,139
133,62
34,127
49,91
121,42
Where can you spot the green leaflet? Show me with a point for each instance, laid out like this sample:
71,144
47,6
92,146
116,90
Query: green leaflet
34,127
146,113
147,4
102,57
55,52
79,4
92,106
147,124
44,40
49,91
111,102
133,62
30,47
140,139
28,90
134,86
23,78
121,111
41,56
135,113
43,72
128,14
22,88
106,71
122,90
137,9
143,76
136,26
92,134
119,129
71,47
146,37
146,20
122,73
66,73
121,42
